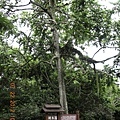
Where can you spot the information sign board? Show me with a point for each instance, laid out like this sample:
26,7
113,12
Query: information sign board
69,117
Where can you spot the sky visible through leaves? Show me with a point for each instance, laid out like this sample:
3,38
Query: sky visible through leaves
90,51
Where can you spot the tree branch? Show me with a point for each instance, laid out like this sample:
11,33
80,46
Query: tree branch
103,48
71,50
18,5
21,9
90,60
12,8
110,58
44,9
49,81
97,51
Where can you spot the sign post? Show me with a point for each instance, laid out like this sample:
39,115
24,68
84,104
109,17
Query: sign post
53,112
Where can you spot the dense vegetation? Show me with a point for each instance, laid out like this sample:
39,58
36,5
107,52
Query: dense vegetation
48,64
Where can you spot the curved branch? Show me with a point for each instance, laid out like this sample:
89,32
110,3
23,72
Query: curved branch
103,48
18,5
74,51
13,8
97,51
20,9
44,9
54,57
90,60
109,58
82,57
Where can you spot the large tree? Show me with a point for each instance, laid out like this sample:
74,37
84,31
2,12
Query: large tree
47,51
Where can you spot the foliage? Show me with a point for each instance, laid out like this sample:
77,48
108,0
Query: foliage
32,65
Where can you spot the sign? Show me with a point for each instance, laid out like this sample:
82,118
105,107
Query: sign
64,117
52,117
69,117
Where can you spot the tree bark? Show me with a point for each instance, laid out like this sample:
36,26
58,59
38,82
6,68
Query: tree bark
62,90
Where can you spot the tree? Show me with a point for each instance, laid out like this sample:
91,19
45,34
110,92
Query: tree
55,30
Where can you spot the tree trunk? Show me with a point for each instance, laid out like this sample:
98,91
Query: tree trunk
62,91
